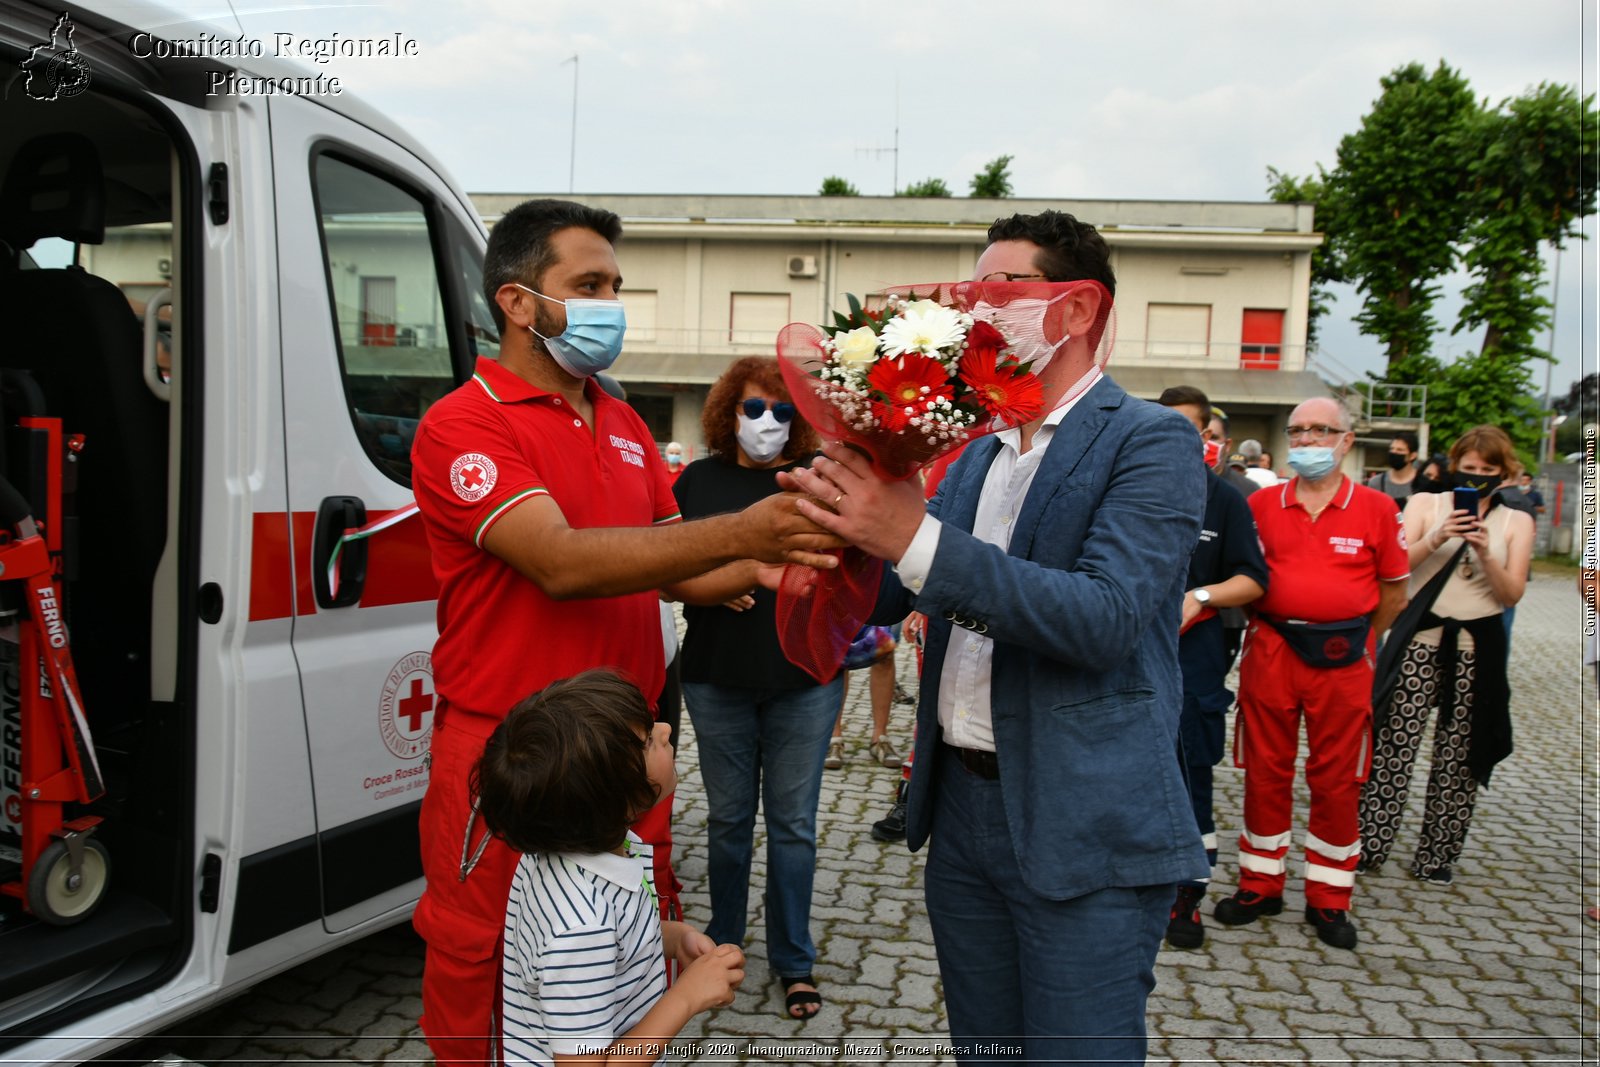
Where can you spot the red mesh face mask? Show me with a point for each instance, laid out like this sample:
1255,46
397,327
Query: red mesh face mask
887,416
1033,319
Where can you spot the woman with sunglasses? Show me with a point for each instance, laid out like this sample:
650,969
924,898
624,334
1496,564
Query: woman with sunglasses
761,724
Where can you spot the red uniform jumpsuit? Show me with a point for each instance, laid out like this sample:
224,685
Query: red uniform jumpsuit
1322,570
490,445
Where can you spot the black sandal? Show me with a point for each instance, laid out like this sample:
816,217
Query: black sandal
808,1000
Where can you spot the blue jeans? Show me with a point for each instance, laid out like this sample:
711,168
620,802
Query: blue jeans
1027,978
767,744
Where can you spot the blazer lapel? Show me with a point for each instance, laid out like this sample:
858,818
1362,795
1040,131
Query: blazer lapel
960,508
1067,449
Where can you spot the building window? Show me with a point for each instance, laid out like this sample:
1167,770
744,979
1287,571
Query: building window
640,306
389,311
377,312
1177,331
756,318
1260,340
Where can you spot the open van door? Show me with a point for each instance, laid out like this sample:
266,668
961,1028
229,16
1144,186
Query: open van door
376,269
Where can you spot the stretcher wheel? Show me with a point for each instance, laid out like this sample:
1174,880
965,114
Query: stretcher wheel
60,898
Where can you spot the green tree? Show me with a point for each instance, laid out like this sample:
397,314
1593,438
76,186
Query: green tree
1326,267
1527,185
927,187
1528,181
1582,400
1475,390
994,180
833,185
1433,178
1396,196
1580,406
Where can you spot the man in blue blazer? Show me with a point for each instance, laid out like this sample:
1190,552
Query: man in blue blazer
1051,566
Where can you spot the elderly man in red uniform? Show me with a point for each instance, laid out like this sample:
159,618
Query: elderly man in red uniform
552,524
1336,559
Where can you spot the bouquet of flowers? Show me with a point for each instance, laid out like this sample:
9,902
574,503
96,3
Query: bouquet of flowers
936,366
908,382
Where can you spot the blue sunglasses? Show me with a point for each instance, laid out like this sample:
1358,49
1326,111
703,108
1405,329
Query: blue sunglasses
756,407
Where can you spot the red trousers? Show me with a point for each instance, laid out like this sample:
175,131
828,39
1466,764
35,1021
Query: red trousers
1275,688
462,920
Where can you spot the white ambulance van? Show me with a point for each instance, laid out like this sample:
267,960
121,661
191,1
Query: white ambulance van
237,305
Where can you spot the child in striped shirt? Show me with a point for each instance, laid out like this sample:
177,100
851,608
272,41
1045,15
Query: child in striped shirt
584,973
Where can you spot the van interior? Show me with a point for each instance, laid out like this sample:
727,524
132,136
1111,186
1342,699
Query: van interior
92,292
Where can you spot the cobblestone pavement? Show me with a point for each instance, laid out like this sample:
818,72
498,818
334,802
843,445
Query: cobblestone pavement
1499,966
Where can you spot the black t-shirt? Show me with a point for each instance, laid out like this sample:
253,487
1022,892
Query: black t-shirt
1228,544
724,647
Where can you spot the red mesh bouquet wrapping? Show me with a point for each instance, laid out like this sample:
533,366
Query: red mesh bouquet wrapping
906,382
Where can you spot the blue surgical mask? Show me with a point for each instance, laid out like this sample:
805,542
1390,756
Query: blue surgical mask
592,340
1312,462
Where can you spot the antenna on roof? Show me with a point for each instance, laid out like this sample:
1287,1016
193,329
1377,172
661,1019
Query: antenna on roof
895,149
572,155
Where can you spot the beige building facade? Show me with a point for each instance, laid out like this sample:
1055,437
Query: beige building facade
1208,294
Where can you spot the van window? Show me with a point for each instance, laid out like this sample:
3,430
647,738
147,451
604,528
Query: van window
388,309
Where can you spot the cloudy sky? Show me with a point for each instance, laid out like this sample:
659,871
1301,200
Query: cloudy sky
1140,99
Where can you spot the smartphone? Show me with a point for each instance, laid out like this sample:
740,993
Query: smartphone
1466,499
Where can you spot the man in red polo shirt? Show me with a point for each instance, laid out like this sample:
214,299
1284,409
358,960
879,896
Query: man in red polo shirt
1337,569
552,525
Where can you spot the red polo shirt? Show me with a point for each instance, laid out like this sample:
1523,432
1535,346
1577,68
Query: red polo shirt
1328,570
490,445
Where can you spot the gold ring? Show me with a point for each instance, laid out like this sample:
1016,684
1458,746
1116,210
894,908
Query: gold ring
837,499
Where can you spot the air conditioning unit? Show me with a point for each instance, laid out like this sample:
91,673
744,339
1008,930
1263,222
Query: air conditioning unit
802,266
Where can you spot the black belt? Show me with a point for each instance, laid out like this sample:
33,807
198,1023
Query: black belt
983,764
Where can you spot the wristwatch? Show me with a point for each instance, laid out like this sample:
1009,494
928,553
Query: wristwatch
1202,596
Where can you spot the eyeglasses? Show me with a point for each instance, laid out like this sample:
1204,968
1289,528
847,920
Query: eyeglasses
1007,276
756,406
1316,432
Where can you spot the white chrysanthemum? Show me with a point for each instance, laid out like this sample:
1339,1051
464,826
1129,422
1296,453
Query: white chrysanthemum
923,327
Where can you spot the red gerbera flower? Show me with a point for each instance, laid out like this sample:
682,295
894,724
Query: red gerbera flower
912,381
1004,392
892,419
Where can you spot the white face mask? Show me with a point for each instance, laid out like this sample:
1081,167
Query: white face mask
762,439
1022,322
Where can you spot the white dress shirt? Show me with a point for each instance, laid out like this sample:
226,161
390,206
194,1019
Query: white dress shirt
964,711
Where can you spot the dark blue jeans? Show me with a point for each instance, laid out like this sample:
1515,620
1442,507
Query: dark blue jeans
766,745
1026,978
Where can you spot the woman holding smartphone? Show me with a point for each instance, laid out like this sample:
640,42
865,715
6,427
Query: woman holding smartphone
1455,660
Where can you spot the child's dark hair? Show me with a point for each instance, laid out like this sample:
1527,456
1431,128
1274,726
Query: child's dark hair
565,771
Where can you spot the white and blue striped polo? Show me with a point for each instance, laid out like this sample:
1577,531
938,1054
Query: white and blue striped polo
583,955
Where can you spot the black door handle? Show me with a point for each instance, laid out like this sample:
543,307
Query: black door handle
336,515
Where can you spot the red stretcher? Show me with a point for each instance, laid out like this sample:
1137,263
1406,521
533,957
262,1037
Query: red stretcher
53,864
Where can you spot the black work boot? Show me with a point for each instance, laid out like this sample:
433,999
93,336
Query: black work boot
892,827
1184,928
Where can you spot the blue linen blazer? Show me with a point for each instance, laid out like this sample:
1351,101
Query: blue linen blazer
1084,611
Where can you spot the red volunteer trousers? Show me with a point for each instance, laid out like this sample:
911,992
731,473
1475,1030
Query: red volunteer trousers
462,921
1275,687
